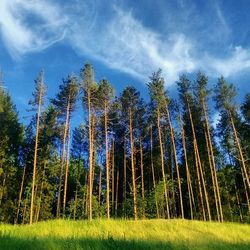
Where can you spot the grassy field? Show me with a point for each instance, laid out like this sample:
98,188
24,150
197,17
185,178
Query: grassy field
118,234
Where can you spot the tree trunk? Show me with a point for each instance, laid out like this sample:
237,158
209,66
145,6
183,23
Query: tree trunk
35,157
153,170
132,163
142,179
116,194
100,186
162,163
212,176
20,196
58,208
176,162
198,165
107,160
213,166
113,177
75,203
243,165
2,193
203,182
238,204
189,184
41,191
90,159
66,171
125,169
25,209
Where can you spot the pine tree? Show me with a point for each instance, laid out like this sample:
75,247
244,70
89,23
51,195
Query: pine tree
105,94
37,102
202,94
130,99
187,98
90,89
224,97
65,103
157,94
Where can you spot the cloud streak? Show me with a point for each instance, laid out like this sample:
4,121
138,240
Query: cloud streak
116,38
20,35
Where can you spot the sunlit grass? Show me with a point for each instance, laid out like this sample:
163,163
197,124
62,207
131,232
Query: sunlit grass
121,234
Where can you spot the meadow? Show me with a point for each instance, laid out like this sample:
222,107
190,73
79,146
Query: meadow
125,234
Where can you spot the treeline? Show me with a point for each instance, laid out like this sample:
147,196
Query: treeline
128,158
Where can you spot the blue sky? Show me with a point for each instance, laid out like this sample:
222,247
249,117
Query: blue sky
125,41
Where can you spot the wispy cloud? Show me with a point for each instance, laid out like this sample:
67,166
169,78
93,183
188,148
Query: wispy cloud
115,37
20,35
237,61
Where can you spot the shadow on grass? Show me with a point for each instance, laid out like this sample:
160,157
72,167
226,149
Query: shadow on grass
8,242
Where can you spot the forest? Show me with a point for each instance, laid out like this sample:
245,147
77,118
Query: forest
127,158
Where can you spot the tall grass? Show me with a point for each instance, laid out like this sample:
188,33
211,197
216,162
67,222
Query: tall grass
121,234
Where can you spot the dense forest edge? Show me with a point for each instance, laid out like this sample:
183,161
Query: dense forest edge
127,158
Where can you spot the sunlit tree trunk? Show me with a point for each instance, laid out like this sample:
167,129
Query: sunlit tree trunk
198,172
58,209
3,186
20,196
212,166
113,176
100,186
242,160
116,193
90,191
66,170
75,203
25,208
107,160
176,162
41,192
212,176
238,204
142,178
125,169
189,184
153,170
35,157
162,163
132,163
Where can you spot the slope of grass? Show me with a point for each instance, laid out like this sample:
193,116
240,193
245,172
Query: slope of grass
119,234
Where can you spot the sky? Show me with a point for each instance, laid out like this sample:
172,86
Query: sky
124,40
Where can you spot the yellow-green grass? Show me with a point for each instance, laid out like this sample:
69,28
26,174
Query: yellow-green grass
126,234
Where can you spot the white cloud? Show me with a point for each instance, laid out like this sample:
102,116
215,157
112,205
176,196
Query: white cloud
119,40
21,36
237,61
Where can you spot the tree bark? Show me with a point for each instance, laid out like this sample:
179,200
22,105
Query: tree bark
41,191
189,184
213,169
90,158
142,178
176,162
66,171
58,209
20,196
162,163
113,177
200,174
35,157
132,163
153,170
116,194
243,165
107,160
